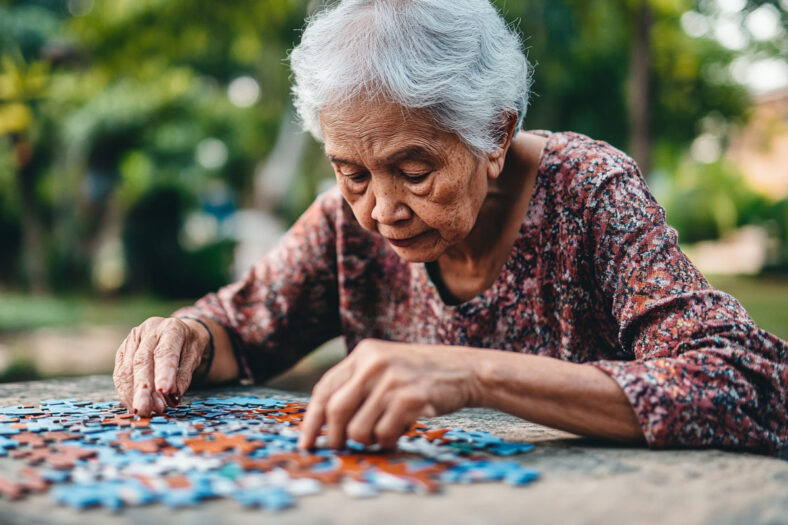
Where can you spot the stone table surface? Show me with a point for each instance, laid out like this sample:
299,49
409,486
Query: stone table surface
583,481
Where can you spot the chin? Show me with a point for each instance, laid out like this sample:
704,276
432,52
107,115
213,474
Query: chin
417,255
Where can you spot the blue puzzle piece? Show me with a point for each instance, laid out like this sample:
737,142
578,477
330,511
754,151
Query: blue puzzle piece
20,411
507,448
111,494
55,476
201,488
270,498
44,424
521,476
6,430
7,443
81,496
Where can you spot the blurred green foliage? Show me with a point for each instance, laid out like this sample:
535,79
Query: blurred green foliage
115,121
20,312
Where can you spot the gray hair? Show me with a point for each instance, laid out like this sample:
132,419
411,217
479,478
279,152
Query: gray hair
455,59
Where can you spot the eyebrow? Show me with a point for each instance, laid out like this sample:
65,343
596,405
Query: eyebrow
410,153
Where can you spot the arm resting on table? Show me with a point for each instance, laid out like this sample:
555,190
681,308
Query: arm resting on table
568,396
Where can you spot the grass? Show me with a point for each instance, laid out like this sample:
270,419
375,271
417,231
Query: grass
766,299
19,312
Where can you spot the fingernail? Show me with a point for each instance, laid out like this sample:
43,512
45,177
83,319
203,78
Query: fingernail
170,401
139,397
160,406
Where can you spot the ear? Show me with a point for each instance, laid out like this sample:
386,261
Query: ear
496,158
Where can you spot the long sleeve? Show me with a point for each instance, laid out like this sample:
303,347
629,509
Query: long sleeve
287,303
703,374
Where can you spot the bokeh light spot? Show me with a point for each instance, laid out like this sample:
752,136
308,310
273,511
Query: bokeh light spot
243,91
211,153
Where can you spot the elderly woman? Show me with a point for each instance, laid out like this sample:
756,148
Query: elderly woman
469,263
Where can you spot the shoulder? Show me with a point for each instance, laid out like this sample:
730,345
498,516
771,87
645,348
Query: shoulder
585,162
581,171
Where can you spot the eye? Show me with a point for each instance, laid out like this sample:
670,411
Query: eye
415,178
360,176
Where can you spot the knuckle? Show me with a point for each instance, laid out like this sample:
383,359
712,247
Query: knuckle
356,432
140,359
367,349
171,324
164,349
336,410
363,346
321,388
151,323
410,398
372,363
392,380
385,433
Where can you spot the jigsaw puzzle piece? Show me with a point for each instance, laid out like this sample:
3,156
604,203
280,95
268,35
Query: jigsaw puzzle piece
270,498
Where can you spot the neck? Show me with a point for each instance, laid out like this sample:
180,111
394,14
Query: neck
477,252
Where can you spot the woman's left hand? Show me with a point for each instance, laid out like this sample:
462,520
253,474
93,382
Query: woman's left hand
381,388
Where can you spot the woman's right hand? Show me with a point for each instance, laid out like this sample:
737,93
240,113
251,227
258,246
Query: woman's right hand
155,363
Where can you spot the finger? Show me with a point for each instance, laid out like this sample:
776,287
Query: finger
342,406
143,376
167,356
118,373
311,424
189,361
316,410
362,424
403,410
121,376
159,405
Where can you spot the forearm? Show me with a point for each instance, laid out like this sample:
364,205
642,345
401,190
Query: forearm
567,396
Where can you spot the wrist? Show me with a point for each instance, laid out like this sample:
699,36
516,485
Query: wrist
482,369
205,342
493,372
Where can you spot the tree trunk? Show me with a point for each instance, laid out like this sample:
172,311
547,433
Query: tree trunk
638,95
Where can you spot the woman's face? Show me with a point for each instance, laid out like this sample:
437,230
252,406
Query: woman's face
419,187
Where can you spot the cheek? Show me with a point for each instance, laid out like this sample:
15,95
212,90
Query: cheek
450,211
360,203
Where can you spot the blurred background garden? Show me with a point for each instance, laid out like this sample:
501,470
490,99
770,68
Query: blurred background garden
149,154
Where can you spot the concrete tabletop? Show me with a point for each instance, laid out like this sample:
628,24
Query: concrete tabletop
583,481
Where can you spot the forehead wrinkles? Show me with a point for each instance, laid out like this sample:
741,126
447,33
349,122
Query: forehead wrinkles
376,132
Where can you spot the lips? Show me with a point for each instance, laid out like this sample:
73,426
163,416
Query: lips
402,243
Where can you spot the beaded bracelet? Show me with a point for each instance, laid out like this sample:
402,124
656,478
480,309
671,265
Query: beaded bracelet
199,379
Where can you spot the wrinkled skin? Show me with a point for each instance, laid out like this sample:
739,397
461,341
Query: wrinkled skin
405,179
381,388
155,363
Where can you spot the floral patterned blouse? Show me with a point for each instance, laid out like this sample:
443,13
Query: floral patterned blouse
595,276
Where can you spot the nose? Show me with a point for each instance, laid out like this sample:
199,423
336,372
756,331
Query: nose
389,208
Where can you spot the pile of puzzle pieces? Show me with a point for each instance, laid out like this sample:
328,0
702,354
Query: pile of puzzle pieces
243,447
